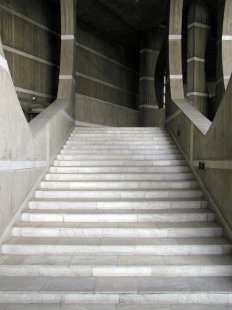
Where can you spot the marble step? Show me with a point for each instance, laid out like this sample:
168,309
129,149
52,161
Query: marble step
134,216
123,163
119,129
69,204
117,246
132,137
100,230
118,157
117,194
109,147
100,306
119,177
121,169
118,184
127,135
122,152
77,270
120,142
117,260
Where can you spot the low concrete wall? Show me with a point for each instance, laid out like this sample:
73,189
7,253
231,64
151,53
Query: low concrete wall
95,111
211,144
25,149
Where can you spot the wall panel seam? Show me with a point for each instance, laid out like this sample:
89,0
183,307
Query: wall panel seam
14,12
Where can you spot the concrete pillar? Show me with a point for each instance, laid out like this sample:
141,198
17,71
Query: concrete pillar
66,89
220,87
198,27
151,44
175,79
227,43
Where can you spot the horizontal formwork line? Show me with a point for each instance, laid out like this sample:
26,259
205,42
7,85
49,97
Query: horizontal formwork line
29,56
105,57
90,78
29,20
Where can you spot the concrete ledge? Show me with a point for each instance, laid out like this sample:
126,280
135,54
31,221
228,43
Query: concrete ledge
196,117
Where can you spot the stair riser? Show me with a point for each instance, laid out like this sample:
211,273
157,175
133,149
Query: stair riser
128,136
119,157
120,177
112,218
115,271
140,148
132,137
121,152
126,163
151,169
113,299
125,205
125,143
21,249
119,194
117,185
116,232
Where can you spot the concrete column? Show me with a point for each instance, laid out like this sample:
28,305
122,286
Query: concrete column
227,43
220,87
151,44
66,89
175,87
198,27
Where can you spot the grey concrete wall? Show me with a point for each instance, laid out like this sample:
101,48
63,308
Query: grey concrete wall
31,41
26,150
198,138
105,70
99,112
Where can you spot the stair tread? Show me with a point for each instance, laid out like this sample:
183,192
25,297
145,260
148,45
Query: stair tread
126,225
113,241
112,252
92,285
120,211
116,260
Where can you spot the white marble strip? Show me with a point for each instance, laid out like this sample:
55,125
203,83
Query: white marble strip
3,63
104,83
199,25
29,91
147,78
215,164
175,37
30,56
197,94
148,50
67,37
29,20
149,106
226,38
20,165
105,57
95,100
67,77
198,59
176,77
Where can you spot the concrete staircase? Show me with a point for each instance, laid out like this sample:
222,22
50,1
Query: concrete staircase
117,223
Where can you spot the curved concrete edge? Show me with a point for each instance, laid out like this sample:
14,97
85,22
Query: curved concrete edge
200,140
39,141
